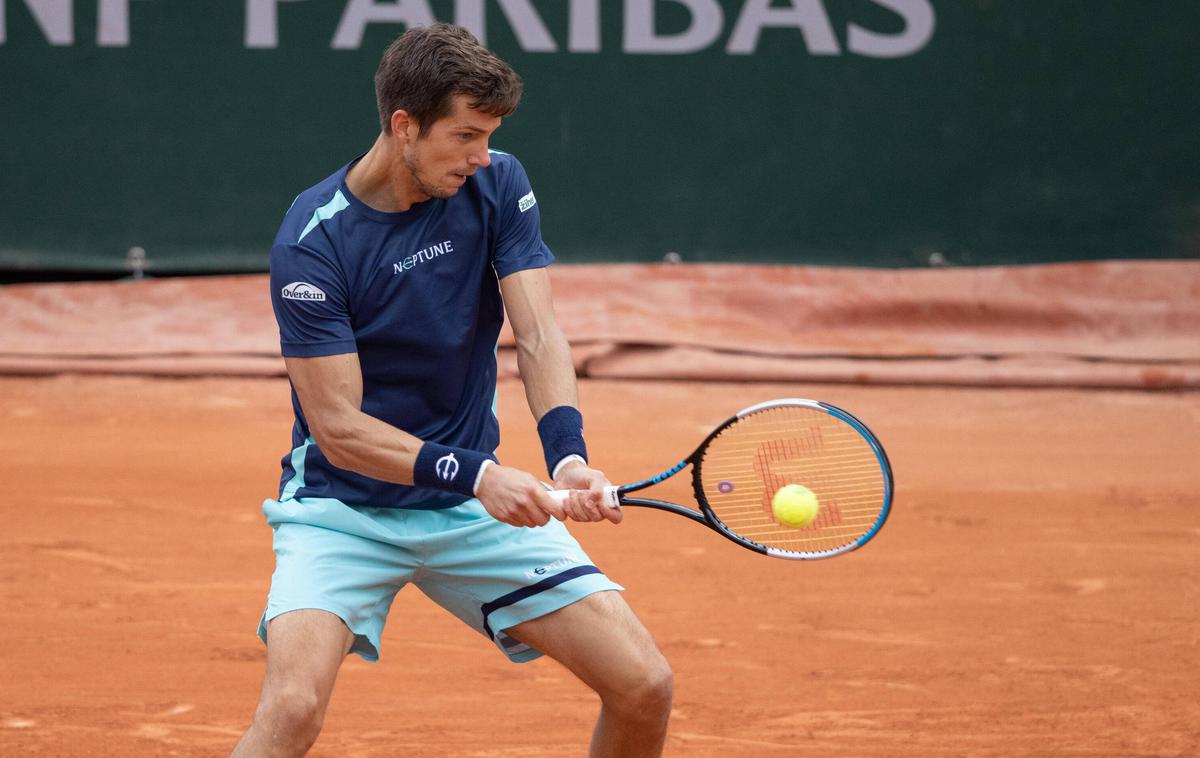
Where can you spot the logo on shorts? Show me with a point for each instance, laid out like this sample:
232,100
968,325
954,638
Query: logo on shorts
447,467
526,202
563,562
303,291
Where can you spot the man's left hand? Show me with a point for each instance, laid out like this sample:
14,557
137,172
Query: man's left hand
586,501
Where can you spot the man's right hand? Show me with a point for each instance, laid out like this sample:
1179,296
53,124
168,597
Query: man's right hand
516,497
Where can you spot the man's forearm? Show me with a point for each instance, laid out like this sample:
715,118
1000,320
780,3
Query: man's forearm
548,373
371,447
366,445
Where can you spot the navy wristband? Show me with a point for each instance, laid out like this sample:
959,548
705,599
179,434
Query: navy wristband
561,430
451,469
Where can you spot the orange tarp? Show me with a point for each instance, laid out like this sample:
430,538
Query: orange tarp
1105,324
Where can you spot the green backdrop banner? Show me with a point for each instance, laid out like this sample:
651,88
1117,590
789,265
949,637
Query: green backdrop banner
865,132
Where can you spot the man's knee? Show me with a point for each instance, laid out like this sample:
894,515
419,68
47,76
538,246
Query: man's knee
292,714
658,687
649,696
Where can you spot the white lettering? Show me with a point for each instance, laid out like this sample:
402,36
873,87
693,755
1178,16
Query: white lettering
807,15
469,14
424,255
303,291
919,23
112,23
56,20
563,562
641,37
262,23
359,13
583,26
531,32
54,17
532,35
526,202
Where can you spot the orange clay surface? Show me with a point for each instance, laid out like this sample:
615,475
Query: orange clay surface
1035,592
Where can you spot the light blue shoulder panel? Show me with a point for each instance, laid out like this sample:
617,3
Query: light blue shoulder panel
326,212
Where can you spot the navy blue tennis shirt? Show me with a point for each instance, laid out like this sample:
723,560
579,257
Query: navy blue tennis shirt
416,295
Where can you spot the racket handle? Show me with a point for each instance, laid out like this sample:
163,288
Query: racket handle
610,496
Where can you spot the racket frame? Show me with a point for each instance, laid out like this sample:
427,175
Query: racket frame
710,519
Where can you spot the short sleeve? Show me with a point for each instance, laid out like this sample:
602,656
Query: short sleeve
308,295
518,236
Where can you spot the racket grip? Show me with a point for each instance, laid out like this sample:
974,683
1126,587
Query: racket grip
610,496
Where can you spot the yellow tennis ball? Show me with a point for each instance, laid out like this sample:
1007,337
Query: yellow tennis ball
795,505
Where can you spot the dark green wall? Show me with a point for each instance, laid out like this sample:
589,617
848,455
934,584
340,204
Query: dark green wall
1023,131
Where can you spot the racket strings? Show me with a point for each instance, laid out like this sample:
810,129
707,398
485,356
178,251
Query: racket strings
743,467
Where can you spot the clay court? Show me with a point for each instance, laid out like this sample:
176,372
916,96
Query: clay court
1033,593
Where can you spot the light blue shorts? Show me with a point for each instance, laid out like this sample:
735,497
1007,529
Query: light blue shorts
351,562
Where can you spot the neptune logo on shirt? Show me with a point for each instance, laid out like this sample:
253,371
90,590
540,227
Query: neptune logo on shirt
303,291
423,256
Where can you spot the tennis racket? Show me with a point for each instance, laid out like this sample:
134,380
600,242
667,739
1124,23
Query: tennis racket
739,467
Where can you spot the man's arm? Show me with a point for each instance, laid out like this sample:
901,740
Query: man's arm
330,392
543,355
548,373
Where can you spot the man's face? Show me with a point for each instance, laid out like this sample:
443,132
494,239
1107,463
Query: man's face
455,147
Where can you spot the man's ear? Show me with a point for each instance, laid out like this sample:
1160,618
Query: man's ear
404,126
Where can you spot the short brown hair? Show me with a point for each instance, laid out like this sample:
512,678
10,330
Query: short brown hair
424,68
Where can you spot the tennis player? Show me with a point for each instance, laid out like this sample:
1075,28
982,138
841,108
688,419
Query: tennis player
390,280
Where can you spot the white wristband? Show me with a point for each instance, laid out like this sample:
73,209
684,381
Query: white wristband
558,466
479,475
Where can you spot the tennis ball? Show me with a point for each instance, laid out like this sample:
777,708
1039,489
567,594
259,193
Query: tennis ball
795,505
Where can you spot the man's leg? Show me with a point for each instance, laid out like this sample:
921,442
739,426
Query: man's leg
305,649
602,642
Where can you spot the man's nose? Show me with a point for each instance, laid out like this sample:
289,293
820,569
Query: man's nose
481,158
